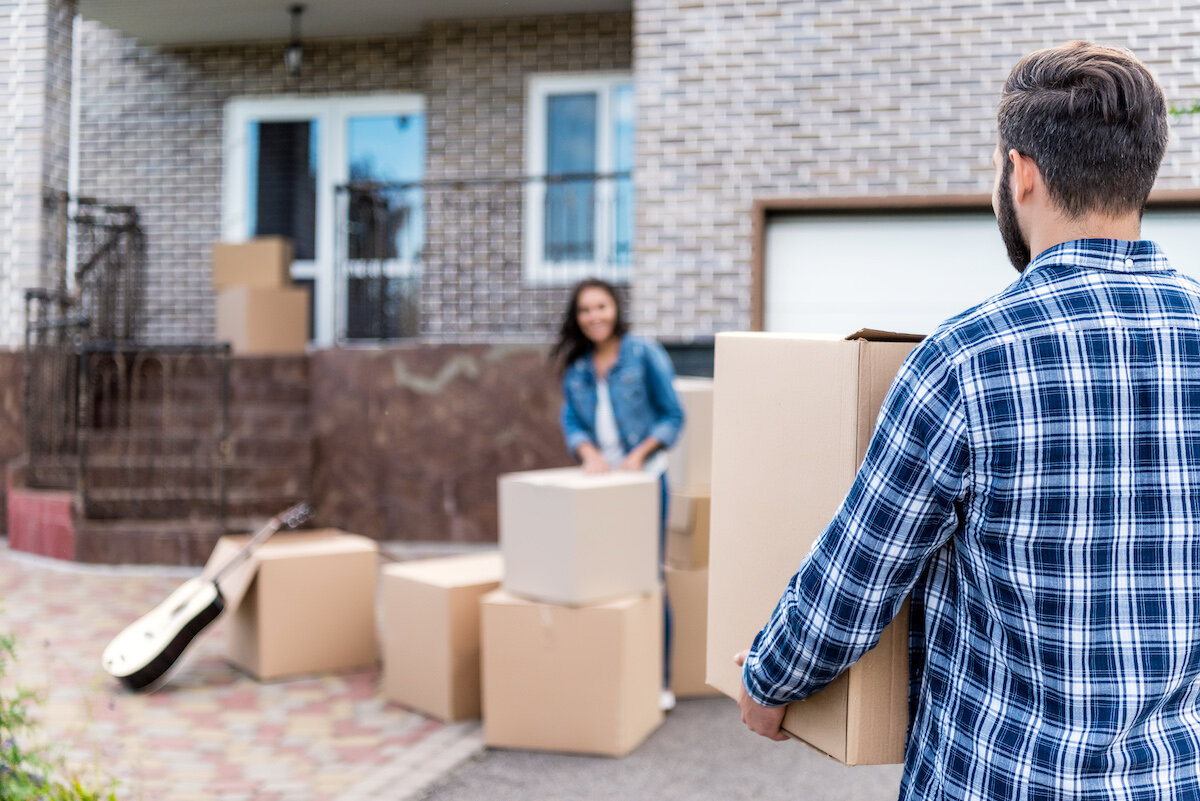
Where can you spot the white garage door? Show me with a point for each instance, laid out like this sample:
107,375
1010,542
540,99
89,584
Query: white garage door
907,271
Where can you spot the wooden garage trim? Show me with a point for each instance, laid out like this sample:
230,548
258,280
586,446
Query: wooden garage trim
763,208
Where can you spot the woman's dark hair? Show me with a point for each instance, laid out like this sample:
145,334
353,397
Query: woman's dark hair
1094,121
572,343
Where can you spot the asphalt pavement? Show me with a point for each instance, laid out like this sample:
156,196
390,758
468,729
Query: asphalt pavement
701,751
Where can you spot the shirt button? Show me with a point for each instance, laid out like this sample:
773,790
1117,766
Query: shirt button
1129,262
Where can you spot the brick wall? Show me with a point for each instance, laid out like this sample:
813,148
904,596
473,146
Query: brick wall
151,135
35,71
759,98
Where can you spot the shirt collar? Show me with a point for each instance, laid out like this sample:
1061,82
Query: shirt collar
1114,255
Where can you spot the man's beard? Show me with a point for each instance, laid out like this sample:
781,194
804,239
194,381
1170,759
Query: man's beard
1010,231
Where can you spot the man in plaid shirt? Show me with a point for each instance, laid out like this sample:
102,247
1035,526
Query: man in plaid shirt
1034,482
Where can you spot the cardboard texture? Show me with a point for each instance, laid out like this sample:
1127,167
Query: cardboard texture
302,603
573,679
259,321
687,530
575,539
792,418
429,625
687,591
264,262
689,462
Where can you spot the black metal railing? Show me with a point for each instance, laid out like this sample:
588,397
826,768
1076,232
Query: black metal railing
478,256
138,430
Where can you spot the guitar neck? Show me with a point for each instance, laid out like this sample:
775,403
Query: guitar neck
291,518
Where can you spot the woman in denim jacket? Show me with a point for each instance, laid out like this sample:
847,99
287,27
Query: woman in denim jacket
620,410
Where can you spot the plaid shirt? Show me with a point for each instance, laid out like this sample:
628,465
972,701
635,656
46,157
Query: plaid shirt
1034,481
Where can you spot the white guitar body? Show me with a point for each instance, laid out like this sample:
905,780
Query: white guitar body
144,652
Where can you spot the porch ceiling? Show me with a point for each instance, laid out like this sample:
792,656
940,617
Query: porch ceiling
175,22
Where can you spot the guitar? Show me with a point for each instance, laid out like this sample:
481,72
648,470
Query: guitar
142,654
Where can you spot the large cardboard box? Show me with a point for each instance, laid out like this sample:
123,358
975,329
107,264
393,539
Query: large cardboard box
572,538
689,462
430,631
573,679
687,592
792,419
302,603
688,518
264,262
263,321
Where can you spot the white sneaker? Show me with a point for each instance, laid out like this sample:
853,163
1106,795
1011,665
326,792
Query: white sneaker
666,700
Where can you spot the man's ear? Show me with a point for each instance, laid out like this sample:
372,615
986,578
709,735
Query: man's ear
1025,175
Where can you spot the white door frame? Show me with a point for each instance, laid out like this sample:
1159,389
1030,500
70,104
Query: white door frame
331,112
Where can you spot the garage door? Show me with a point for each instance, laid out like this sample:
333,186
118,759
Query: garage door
837,273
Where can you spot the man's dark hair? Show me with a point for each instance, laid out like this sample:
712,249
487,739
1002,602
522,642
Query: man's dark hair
1093,119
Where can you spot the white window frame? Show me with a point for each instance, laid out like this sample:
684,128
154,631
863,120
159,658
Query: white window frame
537,271
332,112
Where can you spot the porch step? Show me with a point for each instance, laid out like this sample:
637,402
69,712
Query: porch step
181,502
174,541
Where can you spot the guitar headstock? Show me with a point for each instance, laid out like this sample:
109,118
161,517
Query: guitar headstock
294,516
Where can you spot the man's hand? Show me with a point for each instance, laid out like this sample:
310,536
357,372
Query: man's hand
633,462
593,460
764,720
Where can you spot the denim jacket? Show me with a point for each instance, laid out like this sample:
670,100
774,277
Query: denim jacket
643,400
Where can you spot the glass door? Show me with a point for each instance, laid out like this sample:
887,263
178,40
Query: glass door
285,157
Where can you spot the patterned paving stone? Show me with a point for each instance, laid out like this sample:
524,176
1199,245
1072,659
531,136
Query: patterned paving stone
210,732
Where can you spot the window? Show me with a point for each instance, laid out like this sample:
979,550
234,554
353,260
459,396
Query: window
579,156
284,159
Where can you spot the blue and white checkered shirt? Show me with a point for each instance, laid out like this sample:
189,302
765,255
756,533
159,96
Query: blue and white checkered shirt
1034,481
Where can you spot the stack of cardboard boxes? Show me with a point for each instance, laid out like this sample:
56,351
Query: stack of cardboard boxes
689,472
572,643
792,417
258,310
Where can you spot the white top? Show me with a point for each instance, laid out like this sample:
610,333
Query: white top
608,438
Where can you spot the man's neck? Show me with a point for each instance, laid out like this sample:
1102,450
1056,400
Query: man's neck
1092,226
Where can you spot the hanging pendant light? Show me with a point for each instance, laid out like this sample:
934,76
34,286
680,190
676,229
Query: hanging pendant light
293,54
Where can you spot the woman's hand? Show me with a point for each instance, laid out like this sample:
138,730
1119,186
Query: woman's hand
633,462
593,460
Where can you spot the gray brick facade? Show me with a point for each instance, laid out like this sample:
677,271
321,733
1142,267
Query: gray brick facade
35,57
151,135
753,99
738,101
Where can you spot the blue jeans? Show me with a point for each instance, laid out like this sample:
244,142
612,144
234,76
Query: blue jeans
662,576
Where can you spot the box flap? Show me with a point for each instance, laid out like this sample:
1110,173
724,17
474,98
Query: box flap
875,335
236,583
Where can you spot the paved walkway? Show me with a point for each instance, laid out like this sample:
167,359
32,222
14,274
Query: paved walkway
211,733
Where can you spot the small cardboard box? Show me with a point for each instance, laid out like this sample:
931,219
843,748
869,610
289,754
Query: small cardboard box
687,592
572,538
430,631
302,603
263,321
784,456
580,680
689,462
687,530
264,262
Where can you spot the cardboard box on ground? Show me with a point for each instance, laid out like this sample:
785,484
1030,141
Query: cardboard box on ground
581,679
575,539
302,603
258,310
784,456
689,463
688,593
429,623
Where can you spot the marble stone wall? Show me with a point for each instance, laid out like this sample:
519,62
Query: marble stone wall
12,419
408,441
